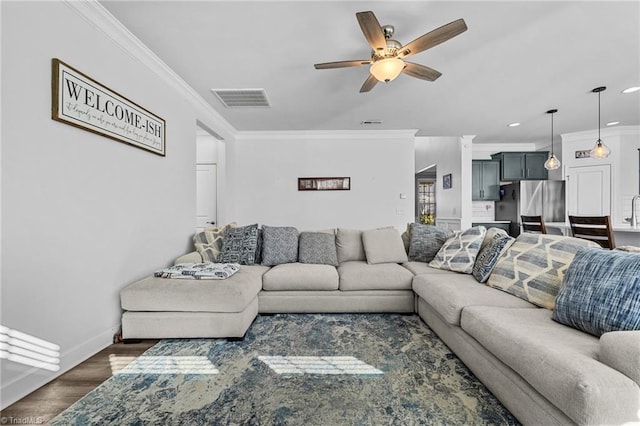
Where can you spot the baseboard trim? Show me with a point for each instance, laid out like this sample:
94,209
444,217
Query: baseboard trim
35,378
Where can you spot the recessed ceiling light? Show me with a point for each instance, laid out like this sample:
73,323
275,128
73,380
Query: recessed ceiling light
631,89
514,124
612,123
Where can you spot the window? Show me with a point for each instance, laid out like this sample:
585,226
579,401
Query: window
427,202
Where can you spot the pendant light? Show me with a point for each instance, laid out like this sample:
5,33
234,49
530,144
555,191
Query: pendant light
552,162
600,150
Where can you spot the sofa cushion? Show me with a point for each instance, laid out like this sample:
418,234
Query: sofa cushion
178,295
600,292
279,245
317,247
300,276
621,350
349,245
358,275
561,363
534,265
459,252
210,241
450,294
423,268
383,245
240,245
425,241
489,254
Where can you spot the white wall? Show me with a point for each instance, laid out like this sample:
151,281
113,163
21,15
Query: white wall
82,215
263,171
452,155
624,142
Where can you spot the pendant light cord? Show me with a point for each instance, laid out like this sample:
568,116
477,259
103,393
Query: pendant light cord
552,153
599,140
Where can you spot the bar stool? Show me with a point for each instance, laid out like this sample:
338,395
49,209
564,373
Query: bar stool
593,228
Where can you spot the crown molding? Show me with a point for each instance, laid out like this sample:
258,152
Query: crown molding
326,134
604,133
99,17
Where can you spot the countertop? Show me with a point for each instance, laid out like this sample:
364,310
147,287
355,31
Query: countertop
489,221
615,228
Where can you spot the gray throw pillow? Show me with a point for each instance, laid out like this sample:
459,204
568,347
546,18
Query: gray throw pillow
279,245
426,241
318,248
349,245
239,245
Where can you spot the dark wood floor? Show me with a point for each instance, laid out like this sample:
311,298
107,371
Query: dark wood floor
42,405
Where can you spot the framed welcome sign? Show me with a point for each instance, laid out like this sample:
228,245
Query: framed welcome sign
82,102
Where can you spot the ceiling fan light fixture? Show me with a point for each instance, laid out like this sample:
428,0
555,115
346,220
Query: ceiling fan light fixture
387,69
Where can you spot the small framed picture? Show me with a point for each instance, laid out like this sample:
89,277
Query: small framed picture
324,184
446,181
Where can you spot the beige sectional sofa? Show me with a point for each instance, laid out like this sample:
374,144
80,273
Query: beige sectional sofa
542,371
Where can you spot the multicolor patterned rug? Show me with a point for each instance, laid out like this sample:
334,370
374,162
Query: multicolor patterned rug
350,369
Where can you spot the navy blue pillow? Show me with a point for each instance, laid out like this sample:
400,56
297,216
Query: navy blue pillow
600,292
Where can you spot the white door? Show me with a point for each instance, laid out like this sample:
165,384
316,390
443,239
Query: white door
206,195
589,190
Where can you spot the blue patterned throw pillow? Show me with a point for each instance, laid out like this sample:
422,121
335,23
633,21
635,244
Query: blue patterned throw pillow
600,292
459,252
489,254
279,245
239,245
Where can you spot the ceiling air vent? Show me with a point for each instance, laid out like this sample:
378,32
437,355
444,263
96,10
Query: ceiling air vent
242,98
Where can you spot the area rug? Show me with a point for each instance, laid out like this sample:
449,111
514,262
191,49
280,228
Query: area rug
350,369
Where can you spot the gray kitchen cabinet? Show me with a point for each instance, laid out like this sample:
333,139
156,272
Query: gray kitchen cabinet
485,175
522,165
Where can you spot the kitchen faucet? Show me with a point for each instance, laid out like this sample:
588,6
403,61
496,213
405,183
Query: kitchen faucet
634,214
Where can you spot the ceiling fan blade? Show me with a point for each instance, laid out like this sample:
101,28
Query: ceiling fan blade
420,71
372,31
369,84
433,38
342,64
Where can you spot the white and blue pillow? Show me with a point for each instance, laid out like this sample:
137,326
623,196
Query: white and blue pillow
459,252
489,254
600,292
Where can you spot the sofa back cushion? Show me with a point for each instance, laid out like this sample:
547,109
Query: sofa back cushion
318,248
383,245
534,266
349,245
425,241
600,292
279,245
459,252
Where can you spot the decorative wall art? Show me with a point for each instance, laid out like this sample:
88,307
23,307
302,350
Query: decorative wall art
446,181
324,184
80,101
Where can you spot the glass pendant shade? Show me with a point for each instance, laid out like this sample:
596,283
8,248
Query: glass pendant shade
600,150
387,69
552,162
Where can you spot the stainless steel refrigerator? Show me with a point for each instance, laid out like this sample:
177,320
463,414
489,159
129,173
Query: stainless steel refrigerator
531,198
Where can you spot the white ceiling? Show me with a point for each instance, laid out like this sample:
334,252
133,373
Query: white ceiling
517,60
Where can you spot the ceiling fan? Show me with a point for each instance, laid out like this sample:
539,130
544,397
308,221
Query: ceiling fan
387,57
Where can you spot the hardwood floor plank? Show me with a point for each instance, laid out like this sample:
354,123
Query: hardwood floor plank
43,404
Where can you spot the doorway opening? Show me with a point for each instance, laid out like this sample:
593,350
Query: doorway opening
426,195
207,155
